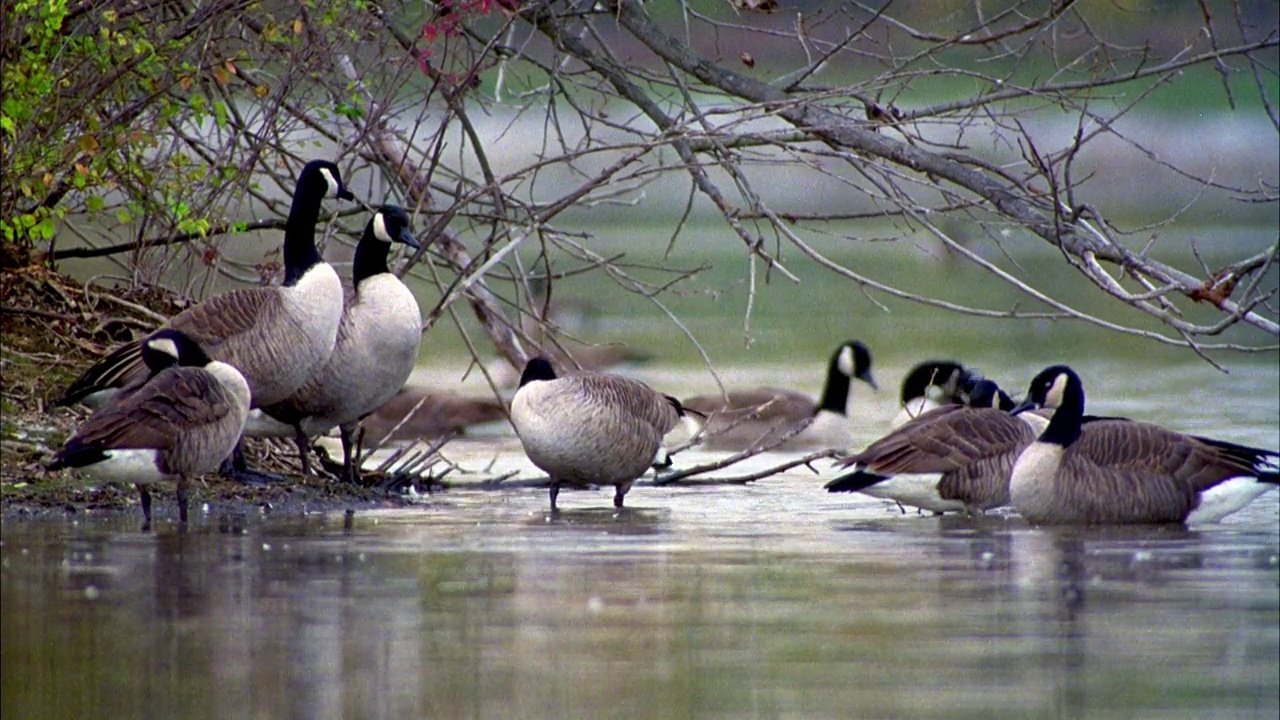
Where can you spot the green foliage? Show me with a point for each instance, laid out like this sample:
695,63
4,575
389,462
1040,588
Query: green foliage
88,91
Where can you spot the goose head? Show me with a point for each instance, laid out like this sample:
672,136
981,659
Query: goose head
1057,386
320,179
168,348
946,377
853,360
985,393
537,369
391,224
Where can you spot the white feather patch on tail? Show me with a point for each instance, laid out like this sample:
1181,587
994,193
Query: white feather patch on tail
915,490
126,466
1227,497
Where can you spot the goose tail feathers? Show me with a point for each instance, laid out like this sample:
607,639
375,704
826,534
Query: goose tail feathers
114,371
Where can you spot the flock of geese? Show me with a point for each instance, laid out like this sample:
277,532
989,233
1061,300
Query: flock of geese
299,359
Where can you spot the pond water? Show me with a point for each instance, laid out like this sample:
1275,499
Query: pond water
773,599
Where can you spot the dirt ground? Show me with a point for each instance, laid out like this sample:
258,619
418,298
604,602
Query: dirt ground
51,329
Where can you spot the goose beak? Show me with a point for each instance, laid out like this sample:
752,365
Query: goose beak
345,194
866,378
407,238
1024,406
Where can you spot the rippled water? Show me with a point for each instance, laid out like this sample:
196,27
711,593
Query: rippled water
772,599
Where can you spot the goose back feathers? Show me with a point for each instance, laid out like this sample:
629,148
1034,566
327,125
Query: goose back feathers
1116,471
184,421
591,428
753,417
276,336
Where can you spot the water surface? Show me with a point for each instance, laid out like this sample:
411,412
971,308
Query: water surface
773,599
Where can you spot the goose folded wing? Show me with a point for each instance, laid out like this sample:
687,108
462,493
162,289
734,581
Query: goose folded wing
176,401
228,315
945,439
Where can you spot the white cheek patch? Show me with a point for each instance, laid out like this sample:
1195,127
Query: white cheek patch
164,345
380,228
845,362
331,181
1053,398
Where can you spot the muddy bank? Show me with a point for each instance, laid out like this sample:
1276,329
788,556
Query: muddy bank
51,329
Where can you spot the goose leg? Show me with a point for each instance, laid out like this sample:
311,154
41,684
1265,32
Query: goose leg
620,492
304,449
350,453
236,469
145,496
555,490
182,499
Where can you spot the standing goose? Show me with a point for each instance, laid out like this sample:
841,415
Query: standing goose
276,336
182,422
1114,471
747,418
591,428
376,349
951,458
930,384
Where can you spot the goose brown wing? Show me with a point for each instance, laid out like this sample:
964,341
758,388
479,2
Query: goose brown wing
944,440
633,397
225,316
1142,451
175,401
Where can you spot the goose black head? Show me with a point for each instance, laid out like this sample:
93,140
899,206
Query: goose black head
1056,386
168,347
322,178
853,360
986,394
946,375
536,369
391,224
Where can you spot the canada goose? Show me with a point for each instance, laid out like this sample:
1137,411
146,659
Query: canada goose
951,458
1114,471
730,424
591,428
375,352
182,422
930,384
440,414
276,336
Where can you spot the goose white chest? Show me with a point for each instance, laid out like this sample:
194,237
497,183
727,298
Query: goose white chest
1032,481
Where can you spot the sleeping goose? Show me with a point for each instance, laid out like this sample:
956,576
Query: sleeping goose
591,428
182,422
276,336
730,424
930,384
951,458
1114,471
376,349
